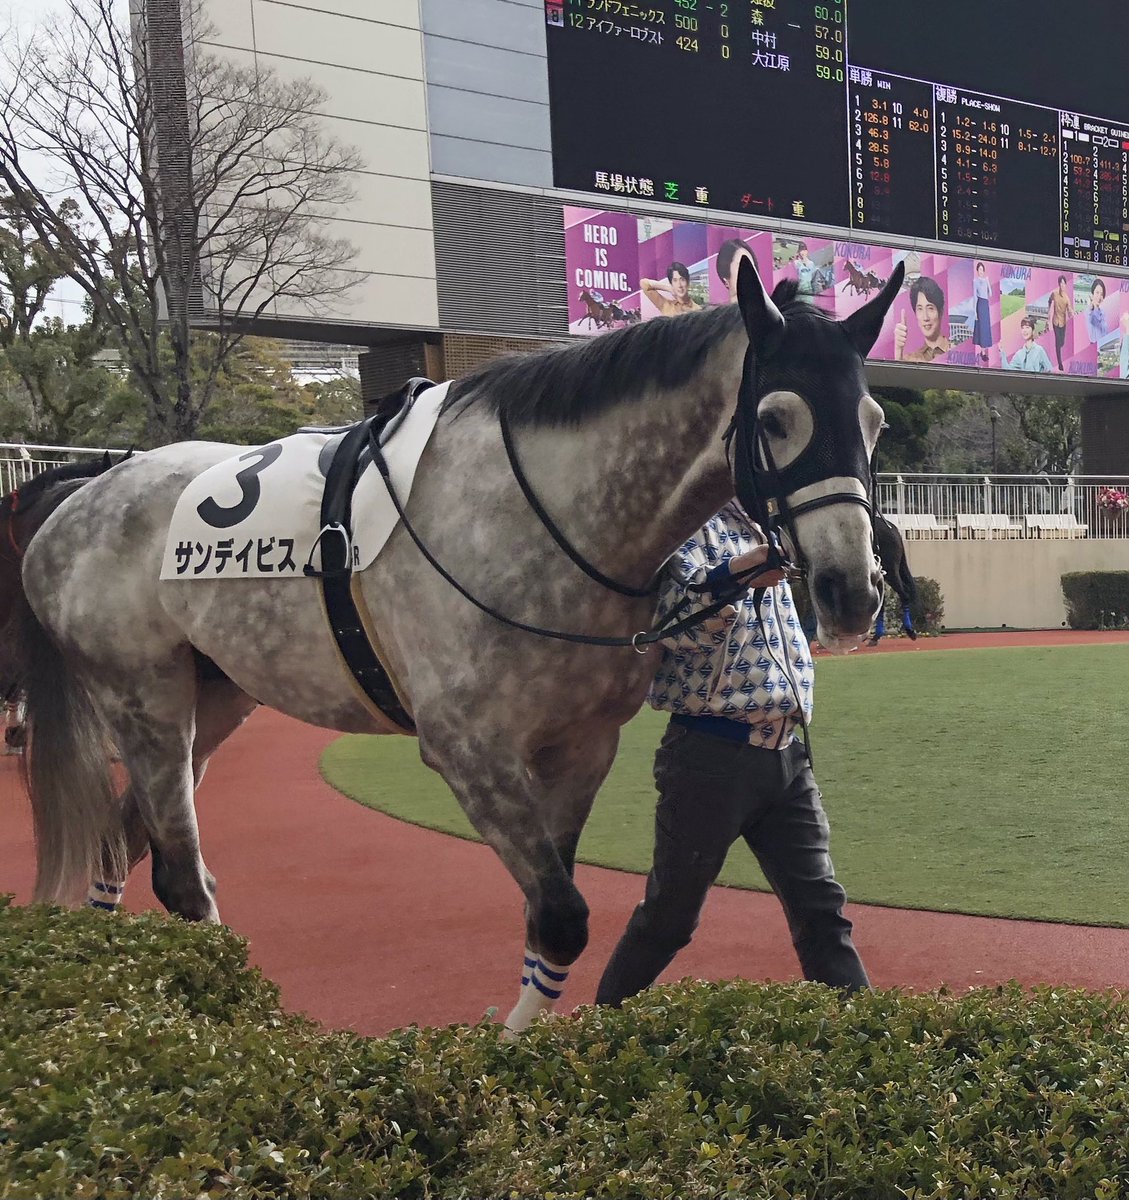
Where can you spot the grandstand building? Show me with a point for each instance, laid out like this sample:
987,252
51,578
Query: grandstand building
469,132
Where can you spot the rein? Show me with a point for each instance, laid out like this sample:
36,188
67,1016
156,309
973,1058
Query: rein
672,623
597,576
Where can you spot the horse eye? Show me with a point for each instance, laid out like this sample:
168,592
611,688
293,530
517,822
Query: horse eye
773,425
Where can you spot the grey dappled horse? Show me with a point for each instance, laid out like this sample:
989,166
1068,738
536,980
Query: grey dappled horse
622,439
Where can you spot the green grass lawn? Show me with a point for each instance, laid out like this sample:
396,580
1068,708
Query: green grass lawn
977,781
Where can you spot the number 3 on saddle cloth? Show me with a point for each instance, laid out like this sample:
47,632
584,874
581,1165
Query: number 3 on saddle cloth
286,510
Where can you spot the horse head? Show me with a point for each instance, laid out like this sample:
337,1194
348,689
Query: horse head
806,431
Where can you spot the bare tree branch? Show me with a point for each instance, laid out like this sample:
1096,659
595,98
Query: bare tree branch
197,178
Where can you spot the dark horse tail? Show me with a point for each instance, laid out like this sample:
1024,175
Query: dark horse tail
892,552
73,799
67,764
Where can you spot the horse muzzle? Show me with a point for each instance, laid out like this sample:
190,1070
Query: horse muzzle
845,603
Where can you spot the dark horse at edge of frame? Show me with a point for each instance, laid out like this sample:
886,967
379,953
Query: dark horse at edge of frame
899,578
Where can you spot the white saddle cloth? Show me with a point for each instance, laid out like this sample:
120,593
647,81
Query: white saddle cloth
258,515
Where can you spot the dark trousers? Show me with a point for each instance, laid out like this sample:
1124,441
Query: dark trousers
712,791
1060,340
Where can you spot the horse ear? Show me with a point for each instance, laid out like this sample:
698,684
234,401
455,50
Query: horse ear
864,325
764,322
106,461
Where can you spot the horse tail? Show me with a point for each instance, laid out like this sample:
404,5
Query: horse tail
67,770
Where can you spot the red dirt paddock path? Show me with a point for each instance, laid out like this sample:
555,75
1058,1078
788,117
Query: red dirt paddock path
369,924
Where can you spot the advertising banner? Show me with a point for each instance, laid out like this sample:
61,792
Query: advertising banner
602,253
952,310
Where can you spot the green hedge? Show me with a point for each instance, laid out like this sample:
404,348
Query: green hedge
1096,599
927,611
139,1057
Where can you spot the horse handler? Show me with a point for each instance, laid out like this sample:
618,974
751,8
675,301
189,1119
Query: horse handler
730,765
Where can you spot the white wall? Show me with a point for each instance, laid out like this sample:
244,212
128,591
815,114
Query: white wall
367,55
1014,583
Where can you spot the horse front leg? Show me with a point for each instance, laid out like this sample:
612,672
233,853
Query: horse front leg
519,810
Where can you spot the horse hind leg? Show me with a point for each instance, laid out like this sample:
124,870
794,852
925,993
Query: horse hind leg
221,707
152,715
122,849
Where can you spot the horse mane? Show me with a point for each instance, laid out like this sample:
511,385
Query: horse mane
567,384
786,297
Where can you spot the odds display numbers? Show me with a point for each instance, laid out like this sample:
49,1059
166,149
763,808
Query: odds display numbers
820,112
708,103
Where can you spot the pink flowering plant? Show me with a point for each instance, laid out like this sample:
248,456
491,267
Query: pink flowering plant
1113,500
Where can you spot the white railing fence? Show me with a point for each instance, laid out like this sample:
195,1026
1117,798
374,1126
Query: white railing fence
923,506
19,462
1008,506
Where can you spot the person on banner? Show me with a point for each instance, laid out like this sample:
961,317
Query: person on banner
805,270
672,295
1030,356
1096,325
982,327
729,255
738,687
1124,358
928,302
1061,305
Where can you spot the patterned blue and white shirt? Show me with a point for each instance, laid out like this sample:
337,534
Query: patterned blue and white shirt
722,668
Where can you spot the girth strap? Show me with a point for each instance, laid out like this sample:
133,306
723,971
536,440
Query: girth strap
346,621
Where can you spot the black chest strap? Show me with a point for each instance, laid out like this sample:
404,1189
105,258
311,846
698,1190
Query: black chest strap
338,560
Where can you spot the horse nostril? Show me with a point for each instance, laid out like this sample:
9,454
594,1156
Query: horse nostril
830,589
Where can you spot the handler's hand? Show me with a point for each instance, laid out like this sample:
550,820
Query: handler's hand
755,558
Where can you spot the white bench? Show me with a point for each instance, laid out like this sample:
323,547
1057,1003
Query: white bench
1054,525
987,525
917,525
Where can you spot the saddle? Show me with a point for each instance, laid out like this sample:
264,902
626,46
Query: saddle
351,455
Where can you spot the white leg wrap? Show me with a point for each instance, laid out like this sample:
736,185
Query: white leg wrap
105,895
541,985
